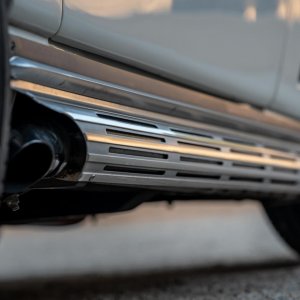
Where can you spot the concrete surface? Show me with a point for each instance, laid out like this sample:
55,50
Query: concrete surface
189,251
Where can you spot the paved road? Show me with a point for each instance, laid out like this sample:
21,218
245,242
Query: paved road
190,251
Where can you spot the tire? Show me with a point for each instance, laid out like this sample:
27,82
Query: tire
5,95
286,220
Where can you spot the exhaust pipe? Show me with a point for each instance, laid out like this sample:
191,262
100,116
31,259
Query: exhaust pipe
122,146
35,153
44,144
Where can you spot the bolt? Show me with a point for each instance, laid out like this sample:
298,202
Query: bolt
13,202
12,46
92,177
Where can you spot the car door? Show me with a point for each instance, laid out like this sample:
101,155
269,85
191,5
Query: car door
230,48
42,17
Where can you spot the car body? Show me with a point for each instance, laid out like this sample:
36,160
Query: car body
241,50
117,103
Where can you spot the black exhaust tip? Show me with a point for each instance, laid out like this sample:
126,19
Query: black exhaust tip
32,163
35,152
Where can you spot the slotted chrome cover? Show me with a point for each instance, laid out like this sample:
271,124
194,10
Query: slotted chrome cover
128,146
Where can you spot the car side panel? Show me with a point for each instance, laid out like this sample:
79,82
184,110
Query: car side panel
231,48
39,16
287,98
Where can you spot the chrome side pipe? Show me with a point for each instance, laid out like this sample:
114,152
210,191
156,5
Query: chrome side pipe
122,146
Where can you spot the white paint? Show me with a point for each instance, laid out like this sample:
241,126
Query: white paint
39,16
287,98
209,46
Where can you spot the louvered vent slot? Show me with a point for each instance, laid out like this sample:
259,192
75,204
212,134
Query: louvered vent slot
127,121
238,141
131,152
249,166
194,175
246,179
284,170
192,134
283,157
200,160
207,191
199,146
277,148
285,182
134,135
239,151
133,170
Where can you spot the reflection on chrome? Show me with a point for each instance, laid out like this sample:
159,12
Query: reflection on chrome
121,8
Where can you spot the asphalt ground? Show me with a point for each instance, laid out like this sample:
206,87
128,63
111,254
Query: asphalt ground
192,250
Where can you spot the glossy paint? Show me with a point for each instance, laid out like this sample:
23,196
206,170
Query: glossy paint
287,99
232,48
39,16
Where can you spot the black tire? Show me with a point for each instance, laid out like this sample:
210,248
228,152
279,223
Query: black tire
4,90
286,220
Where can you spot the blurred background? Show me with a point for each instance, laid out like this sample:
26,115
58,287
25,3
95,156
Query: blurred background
152,237
220,250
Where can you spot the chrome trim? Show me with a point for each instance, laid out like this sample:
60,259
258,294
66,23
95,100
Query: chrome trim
195,151
36,61
91,103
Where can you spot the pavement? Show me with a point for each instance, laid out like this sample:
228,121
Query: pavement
190,250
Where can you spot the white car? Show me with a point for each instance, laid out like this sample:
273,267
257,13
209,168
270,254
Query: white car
106,104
